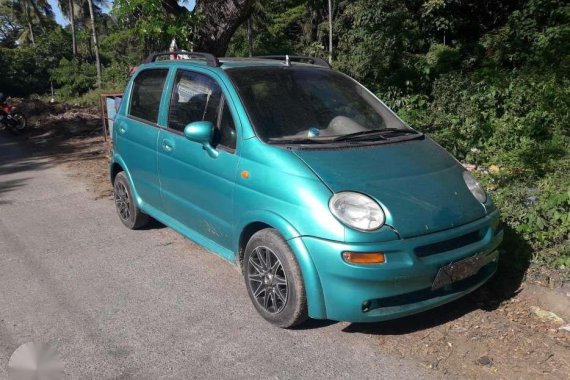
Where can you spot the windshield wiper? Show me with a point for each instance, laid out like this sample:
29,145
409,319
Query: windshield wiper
383,134
299,140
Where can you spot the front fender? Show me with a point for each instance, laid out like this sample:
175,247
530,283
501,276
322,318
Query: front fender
311,279
271,218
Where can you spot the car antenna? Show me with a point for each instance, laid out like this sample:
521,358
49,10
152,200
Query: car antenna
287,60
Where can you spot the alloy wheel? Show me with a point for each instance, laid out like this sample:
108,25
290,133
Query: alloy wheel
267,280
122,201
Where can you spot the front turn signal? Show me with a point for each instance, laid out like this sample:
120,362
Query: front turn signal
364,257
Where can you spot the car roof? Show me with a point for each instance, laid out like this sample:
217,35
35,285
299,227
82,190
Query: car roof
193,59
227,63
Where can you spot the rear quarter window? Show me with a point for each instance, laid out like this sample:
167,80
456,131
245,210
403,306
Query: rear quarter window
146,94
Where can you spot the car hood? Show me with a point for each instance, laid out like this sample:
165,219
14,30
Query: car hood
418,183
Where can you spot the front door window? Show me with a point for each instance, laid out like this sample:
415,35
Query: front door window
197,97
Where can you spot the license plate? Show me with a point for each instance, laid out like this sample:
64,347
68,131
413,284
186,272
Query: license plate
458,271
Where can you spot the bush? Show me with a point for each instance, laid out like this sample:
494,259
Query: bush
516,128
442,59
115,77
74,77
25,70
19,73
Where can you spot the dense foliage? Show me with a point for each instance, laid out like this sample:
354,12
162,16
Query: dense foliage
487,79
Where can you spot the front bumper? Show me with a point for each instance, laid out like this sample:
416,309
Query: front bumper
402,285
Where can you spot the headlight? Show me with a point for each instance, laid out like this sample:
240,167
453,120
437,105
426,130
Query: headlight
357,211
474,186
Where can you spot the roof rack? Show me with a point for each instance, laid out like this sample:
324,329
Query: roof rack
298,58
210,59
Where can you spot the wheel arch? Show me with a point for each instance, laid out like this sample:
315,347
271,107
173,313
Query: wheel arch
115,169
116,166
259,220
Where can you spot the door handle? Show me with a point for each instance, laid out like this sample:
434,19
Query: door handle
122,129
167,146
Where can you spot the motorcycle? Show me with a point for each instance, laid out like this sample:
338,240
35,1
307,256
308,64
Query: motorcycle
11,119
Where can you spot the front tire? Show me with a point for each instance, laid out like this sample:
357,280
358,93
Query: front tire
273,279
18,123
128,212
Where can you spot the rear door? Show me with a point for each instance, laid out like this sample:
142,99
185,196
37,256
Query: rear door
198,189
136,134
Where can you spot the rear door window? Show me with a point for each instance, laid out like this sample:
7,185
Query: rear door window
146,94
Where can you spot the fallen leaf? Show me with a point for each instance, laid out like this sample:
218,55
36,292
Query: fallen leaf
546,315
485,361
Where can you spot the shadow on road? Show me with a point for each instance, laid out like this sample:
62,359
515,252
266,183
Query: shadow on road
152,224
10,185
11,162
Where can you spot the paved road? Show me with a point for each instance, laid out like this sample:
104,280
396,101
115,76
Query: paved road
120,304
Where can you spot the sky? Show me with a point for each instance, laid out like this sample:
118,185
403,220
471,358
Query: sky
63,21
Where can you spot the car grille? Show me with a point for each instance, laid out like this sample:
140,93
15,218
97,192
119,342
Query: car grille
448,245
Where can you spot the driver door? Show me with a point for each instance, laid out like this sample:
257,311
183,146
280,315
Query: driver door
197,189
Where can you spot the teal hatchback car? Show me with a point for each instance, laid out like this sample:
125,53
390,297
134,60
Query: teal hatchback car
332,207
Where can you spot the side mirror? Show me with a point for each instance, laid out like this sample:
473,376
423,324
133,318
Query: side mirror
202,132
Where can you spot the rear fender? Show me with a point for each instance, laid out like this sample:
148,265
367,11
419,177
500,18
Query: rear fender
118,160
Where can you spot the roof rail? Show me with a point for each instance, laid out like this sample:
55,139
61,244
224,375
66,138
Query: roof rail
298,58
210,59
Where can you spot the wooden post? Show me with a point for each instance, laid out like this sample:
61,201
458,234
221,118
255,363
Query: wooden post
103,106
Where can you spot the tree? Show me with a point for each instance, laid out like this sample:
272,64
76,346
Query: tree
68,9
83,25
10,28
72,21
254,18
95,43
330,31
221,18
30,13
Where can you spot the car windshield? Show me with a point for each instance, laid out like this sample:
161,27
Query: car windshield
305,104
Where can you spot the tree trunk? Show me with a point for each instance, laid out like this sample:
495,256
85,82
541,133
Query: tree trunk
95,43
32,34
221,19
27,15
330,32
250,37
72,20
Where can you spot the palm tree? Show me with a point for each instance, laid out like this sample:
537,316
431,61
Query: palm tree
83,17
95,42
31,13
10,27
68,9
255,18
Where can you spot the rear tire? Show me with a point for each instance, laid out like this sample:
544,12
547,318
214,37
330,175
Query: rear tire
131,216
273,280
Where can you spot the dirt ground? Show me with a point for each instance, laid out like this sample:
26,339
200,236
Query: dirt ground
515,327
